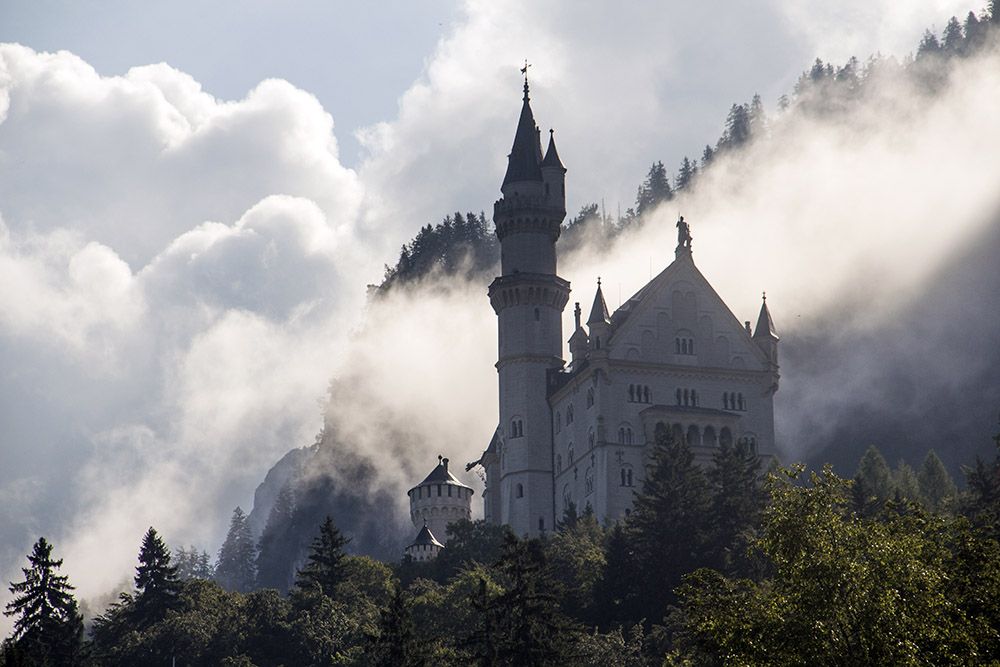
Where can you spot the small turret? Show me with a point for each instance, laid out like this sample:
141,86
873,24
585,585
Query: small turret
599,321
764,335
424,546
439,500
554,174
579,341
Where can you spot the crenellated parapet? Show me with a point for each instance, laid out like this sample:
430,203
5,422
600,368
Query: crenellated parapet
528,289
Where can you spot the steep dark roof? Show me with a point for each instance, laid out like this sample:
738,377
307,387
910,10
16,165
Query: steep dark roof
441,475
765,326
552,155
425,536
599,311
526,153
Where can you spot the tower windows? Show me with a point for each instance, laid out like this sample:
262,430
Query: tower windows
569,414
588,481
519,491
684,343
590,398
570,453
625,434
590,438
626,476
687,398
516,428
732,400
749,443
638,393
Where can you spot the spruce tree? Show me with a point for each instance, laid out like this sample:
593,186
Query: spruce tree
872,483
277,552
936,485
236,569
668,522
156,582
736,505
905,484
523,625
654,190
616,592
396,643
685,174
952,40
48,629
707,156
325,568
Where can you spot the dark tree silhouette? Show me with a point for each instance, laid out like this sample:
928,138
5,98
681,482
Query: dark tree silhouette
237,566
156,582
48,629
324,568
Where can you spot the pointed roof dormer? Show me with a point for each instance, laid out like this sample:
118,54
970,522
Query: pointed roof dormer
525,154
765,325
552,155
599,311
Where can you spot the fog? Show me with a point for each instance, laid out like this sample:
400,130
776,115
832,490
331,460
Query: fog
183,275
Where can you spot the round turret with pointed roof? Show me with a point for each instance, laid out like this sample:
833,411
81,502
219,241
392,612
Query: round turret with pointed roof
440,499
424,546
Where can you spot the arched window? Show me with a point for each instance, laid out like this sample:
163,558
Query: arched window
645,394
678,396
538,315
687,397
590,398
743,406
519,491
590,438
588,481
626,476
569,415
621,435
694,398
541,520
567,498
570,453
516,428
598,342
558,462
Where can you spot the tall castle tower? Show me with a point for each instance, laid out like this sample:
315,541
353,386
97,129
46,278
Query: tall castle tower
528,299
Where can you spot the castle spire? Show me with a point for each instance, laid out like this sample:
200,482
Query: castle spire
552,155
599,311
765,325
525,154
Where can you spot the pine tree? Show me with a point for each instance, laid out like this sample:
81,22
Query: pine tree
736,505
522,625
707,156
686,174
674,502
325,568
616,592
396,643
952,39
905,484
757,117
48,629
872,483
936,485
654,190
277,552
929,45
156,583
738,129
237,565
192,564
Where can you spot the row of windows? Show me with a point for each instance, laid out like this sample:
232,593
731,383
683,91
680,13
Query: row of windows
638,393
684,345
458,491
687,397
733,401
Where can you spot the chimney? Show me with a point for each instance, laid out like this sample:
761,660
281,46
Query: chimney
444,462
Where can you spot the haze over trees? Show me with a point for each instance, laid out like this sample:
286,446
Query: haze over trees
895,566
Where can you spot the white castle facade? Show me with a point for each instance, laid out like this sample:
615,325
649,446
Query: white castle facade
578,433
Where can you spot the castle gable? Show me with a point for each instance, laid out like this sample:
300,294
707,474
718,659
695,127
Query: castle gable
679,318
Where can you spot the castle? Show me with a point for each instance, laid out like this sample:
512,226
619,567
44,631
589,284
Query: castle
577,434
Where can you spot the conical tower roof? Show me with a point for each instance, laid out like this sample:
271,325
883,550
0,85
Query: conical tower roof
765,325
525,154
552,155
599,311
425,536
441,475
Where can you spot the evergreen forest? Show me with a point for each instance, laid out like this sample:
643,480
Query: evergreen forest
739,562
